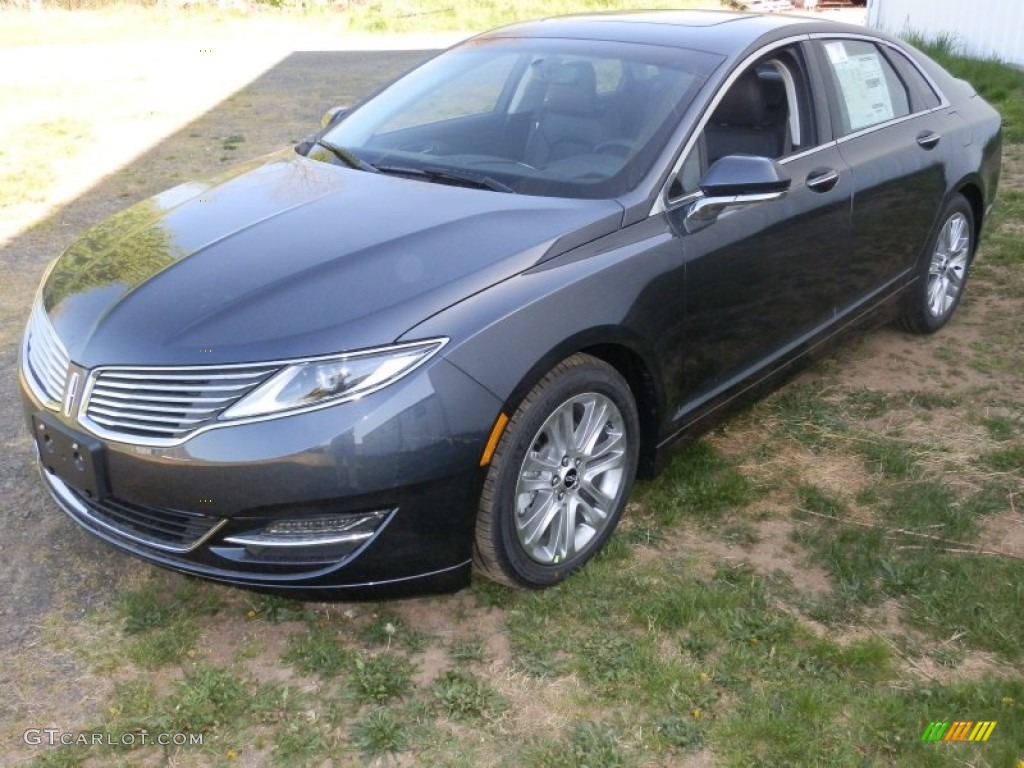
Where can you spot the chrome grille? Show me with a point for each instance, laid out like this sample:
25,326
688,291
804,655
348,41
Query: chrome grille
165,404
46,360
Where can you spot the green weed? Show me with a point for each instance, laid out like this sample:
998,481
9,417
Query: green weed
376,679
461,695
319,651
380,733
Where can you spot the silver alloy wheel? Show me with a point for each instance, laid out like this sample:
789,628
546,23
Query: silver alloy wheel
948,267
570,478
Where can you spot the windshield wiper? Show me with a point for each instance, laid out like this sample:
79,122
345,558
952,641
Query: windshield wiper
434,173
348,157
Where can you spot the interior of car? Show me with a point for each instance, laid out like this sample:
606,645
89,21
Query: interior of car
765,112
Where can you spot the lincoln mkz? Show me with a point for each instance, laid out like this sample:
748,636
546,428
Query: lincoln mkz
452,326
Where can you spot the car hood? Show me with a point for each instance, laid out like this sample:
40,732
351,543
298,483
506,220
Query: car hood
291,257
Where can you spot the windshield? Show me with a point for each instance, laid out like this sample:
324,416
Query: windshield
566,118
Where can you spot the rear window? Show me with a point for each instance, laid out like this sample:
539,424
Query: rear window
921,91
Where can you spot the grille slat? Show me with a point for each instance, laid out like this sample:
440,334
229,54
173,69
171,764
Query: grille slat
215,402
164,408
156,376
110,383
161,404
126,413
46,359
124,425
169,529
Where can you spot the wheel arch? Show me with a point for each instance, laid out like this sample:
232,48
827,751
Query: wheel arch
634,370
612,346
971,190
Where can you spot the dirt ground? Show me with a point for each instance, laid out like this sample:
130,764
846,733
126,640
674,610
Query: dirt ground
133,118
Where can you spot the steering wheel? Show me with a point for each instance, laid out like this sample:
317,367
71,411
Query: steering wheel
617,147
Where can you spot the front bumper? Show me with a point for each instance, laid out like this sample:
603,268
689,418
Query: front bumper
407,456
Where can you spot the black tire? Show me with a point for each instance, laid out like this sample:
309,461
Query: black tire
510,550
943,271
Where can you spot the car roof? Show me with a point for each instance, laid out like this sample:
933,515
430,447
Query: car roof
720,32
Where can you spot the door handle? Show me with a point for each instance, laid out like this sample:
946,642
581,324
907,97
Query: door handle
928,139
822,179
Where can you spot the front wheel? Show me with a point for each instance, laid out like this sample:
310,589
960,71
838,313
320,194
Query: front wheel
559,477
944,270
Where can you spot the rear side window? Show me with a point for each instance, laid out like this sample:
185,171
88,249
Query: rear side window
922,94
868,89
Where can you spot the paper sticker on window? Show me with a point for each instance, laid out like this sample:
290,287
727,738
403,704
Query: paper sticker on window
865,91
836,52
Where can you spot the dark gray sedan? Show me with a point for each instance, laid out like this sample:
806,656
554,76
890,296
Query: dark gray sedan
453,326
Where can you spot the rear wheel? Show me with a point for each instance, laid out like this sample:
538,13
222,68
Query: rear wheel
560,475
944,272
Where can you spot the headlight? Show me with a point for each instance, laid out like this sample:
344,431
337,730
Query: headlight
333,379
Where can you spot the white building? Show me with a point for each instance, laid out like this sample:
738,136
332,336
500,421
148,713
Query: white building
981,27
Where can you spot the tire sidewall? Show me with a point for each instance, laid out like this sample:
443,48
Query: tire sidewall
591,377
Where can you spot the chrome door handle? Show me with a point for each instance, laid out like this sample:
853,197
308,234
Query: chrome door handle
928,139
822,179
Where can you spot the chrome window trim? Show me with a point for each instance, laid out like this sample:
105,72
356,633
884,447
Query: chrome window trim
663,203
170,442
807,152
886,124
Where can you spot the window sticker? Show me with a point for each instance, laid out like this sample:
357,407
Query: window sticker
836,52
867,97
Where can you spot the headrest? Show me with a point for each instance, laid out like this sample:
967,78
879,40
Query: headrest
744,104
773,87
572,89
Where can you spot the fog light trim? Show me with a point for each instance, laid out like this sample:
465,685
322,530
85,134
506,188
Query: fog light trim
315,532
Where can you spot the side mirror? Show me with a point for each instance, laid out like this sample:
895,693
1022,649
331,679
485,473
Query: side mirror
332,116
736,181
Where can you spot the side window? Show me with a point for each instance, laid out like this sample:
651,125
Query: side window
867,87
922,94
766,112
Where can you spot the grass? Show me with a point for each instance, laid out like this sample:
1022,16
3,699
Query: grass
376,679
701,484
462,695
1002,86
163,627
321,651
586,744
380,733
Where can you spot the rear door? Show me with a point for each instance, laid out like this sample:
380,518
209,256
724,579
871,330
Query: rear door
891,133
